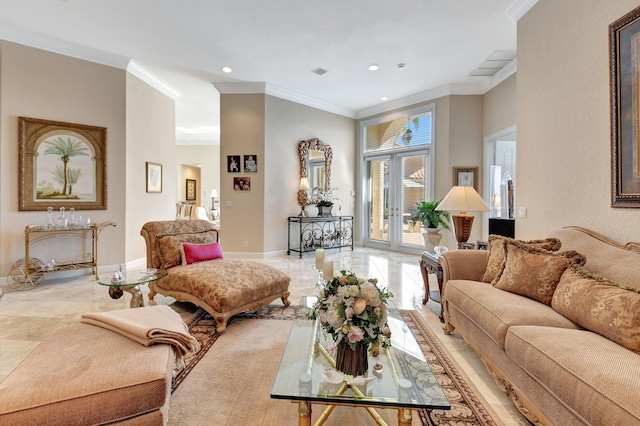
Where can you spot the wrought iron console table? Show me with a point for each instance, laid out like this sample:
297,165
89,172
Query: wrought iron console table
319,232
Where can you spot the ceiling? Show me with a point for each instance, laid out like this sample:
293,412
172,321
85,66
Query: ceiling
185,45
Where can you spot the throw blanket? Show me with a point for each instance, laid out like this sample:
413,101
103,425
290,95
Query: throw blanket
148,325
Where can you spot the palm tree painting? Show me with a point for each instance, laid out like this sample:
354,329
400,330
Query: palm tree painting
59,182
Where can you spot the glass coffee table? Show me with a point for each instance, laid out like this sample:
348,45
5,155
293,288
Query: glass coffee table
402,379
131,284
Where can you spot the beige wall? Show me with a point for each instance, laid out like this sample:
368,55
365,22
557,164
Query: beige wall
564,154
287,124
499,107
242,118
150,137
140,127
45,85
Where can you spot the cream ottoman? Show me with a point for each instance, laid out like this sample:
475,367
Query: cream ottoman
82,375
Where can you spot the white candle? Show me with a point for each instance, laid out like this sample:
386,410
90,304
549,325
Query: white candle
319,259
327,270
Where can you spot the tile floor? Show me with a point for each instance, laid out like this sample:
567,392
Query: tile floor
27,317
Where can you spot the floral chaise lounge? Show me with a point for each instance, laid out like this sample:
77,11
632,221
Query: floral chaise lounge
223,287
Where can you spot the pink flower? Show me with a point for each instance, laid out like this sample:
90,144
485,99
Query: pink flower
355,334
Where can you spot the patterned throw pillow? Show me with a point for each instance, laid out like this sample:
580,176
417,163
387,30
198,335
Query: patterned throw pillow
533,272
498,254
608,308
169,246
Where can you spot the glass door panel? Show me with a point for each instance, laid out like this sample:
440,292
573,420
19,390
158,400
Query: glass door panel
378,197
411,190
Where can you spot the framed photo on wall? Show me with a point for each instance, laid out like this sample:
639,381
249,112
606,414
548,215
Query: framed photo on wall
242,184
465,176
624,54
233,164
250,163
154,177
61,165
190,190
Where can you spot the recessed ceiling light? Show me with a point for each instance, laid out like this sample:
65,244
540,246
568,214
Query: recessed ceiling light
226,69
384,98
373,67
400,65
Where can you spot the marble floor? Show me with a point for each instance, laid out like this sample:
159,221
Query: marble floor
27,317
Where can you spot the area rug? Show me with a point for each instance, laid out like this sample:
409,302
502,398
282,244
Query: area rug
466,407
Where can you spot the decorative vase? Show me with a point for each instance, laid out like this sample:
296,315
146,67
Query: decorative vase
350,361
324,211
431,238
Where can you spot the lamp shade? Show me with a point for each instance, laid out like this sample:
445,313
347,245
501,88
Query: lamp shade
463,199
214,193
304,184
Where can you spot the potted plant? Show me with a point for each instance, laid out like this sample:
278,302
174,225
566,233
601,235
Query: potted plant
432,220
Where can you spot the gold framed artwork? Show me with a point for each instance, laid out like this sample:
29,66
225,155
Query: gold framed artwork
465,176
624,59
61,165
190,190
154,177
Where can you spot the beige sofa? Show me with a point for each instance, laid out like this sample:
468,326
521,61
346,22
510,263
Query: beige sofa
223,287
570,360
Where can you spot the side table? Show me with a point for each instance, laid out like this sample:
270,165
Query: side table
131,284
430,264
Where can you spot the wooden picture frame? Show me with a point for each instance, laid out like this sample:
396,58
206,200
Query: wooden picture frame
61,165
154,177
624,60
190,191
465,176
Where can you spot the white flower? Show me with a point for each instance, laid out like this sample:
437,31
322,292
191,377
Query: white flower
333,318
370,293
348,312
354,290
343,292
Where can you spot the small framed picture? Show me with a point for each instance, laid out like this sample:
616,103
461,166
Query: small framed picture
242,184
191,190
233,163
250,163
154,177
465,176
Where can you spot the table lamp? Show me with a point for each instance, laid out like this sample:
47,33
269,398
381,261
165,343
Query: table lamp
463,199
303,196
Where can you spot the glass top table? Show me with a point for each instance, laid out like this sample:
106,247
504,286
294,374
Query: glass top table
131,283
405,380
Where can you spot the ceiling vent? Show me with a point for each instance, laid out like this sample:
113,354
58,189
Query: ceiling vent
494,63
319,71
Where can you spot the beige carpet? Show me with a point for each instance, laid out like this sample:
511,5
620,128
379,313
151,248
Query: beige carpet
228,383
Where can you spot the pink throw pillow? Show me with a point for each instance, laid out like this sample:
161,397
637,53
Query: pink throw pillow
192,253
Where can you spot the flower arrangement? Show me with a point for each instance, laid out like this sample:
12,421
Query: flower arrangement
353,310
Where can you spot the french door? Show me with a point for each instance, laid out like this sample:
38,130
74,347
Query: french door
395,183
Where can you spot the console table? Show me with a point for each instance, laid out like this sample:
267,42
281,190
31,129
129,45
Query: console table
29,272
307,234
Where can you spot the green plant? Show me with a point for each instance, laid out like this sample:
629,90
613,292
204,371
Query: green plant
324,203
430,217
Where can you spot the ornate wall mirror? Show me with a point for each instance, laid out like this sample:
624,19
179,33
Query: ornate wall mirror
315,168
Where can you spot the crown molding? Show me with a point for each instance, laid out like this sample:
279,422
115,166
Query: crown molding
518,8
237,88
66,48
151,79
78,51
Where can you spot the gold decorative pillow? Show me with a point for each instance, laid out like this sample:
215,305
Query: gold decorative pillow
608,308
169,246
534,272
498,254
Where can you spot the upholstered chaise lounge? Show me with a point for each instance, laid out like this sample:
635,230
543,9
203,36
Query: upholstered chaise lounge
223,287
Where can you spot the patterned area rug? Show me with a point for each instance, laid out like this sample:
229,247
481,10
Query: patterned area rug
466,408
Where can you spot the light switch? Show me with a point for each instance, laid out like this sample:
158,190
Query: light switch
229,203
522,212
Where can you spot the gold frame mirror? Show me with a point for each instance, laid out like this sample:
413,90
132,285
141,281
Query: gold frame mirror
303,152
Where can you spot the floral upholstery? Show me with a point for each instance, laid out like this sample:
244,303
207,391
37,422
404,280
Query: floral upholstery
223,287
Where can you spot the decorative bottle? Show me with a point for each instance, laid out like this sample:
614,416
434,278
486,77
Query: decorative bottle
48,225
62,219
